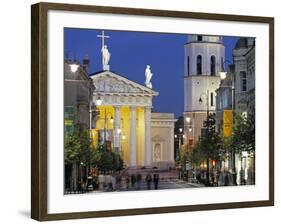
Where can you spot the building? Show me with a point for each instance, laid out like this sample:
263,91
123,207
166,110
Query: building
237,93
78,90
244,61
204,58
162,139
224,98
127,124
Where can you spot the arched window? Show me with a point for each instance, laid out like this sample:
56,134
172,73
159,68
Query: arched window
199,64
213,65
188,65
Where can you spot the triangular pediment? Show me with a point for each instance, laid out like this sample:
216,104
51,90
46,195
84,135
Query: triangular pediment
110,82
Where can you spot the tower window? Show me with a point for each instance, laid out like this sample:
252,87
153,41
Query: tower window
213,65
212,99
243,81
188,65
199,64
222,65
199,38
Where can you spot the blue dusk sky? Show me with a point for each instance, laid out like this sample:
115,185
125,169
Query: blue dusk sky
132,51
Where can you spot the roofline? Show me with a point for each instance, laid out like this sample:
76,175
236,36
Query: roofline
102,72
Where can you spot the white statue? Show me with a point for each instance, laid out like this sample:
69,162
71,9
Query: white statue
148,76
105,55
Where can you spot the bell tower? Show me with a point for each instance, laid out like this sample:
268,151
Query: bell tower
204,57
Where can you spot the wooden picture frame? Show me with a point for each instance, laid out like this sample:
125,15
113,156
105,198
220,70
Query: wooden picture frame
39,108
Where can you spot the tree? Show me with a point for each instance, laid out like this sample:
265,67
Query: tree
243,138
78,152
196,155
210,144
105,160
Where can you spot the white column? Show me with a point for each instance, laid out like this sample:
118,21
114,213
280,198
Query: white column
117,126
172,144
147,161
133,155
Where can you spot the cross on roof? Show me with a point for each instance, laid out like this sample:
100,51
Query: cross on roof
102,36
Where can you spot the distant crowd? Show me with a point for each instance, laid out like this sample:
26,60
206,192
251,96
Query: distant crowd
119,182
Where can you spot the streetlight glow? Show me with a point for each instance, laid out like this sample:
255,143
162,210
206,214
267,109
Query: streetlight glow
180,129
223,75
74,67
119,130
176,136
187,119
98,101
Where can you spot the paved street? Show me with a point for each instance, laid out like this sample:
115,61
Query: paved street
175,184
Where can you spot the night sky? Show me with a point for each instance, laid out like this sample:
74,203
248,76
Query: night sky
132,51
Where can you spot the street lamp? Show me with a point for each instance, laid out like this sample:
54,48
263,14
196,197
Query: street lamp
98,101
207,104
190,128
74,67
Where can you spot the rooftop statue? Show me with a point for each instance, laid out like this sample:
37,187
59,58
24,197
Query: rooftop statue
148,76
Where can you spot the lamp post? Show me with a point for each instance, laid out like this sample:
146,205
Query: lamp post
190,128
223,75
208,113
98,103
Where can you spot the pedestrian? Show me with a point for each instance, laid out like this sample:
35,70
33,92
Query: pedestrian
118,182
127,181
156,180
139,179
108,182
226,179
113,182
213,179
198,177
148,180
133,180
101,180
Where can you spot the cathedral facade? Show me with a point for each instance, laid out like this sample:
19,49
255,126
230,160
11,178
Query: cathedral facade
126,123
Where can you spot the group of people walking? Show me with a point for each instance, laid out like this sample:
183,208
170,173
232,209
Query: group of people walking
119,182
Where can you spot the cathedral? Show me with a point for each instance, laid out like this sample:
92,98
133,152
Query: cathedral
204,58
126,122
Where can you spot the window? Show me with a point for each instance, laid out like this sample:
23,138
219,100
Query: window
243,81
199,38
213,65
188,65
212,99
199,65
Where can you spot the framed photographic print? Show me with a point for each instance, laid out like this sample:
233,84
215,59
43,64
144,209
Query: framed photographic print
138,111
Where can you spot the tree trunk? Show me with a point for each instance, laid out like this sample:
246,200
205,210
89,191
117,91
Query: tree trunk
208,173
74,177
